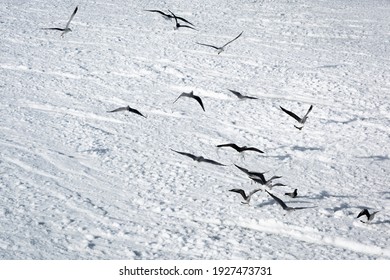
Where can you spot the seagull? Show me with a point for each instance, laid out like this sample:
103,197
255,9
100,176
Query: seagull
220,49
191,95
369,216
258,177
127,108
66,29
284,206
199,158
292,194
240,96
300,120
247,198
178,25
240,149
168,16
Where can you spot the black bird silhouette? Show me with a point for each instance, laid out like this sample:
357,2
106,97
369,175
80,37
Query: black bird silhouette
284,206
220,49
240,96
258,177
199,158
299,120
240,149
168,16
247,198
66,29
178,25
292,194
369,216
127,108
191,95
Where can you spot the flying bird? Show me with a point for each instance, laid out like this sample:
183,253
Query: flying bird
299,120
178,25
258,177
247,198
284,206
292,194
191,95
240,149
127,108
199,158
369,216
168,16
220,49
66,29
240,96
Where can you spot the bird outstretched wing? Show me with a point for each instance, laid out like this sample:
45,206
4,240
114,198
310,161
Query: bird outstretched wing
71,17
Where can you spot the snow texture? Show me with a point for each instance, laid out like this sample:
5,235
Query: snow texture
77,182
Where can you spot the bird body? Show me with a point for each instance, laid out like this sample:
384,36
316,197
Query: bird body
292,194
127,108
298,119
240,96
66,29
178,25
240,149
191,95
199,158
221,49
246,197
369,216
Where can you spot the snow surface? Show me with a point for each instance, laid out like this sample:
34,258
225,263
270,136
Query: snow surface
77,182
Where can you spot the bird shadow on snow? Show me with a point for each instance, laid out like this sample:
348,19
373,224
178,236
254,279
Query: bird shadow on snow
376,157
325,194
302,149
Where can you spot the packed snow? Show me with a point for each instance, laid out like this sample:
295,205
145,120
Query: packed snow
78,182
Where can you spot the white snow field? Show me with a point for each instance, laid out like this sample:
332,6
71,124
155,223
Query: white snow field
77,182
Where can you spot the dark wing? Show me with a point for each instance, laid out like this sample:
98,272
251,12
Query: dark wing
187,26
232,40
119,109
183,94
185,154
217,48
136,112
246,171
54,28
291,114
254,191
363,212
240,191
71,17
274,177
212,161
278,200
234,146
197,98
160,12
183,19
236,93
308,111
252,149
174,18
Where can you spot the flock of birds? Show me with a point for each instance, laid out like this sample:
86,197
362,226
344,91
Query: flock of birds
257,177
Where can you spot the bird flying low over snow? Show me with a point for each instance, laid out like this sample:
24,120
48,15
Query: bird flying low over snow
284,206
191,95
66,29
240,96
246,197
240,149
292,194
178,25
298,119
169,17
127,108
220,49
199,158
369,216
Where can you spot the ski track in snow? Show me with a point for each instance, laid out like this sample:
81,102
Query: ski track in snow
77,182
